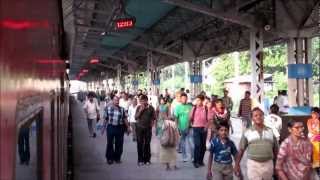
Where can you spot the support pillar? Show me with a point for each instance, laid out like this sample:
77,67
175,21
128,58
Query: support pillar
119,76
107,88
292,83
300,59
256,53
195,77
133,80
187,75
154,74
300,90
309,81
234,91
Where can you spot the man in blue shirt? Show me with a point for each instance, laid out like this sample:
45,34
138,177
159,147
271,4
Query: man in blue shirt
223,149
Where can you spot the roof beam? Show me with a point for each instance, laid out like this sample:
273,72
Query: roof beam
249,5
125,60
111,67
158,50
93,11
100,29
226,16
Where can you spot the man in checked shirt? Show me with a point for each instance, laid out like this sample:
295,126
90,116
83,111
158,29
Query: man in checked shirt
116,124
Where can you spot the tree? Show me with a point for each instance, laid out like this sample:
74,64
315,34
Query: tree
245,63
222,70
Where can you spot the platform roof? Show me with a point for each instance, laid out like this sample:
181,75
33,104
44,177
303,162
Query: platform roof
168,27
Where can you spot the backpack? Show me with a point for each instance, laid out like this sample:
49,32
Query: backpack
168,137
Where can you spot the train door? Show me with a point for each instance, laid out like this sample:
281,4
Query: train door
29,148
53,139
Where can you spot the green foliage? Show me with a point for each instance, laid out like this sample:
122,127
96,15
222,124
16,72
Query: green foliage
245,63
169,81
175,83
316,58
143,80
275,63
222,70
275,59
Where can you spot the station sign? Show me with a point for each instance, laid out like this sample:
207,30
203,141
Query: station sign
196,79
135,82
125,23
299,71
156,82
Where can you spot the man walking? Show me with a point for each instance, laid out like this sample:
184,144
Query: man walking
91,108
199,123
145,117
132,120
227,101
181,113
245,109
262,148
117,124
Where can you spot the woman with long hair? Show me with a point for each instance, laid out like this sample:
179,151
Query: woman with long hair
162,114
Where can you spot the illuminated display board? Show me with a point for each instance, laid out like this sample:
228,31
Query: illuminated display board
125,23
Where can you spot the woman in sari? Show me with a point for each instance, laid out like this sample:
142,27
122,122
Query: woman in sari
314,136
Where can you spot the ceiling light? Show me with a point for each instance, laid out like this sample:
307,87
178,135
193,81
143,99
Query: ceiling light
94,61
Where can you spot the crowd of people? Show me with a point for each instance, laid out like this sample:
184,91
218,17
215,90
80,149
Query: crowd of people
191,127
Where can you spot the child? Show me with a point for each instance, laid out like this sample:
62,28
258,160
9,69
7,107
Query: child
223,149
168,153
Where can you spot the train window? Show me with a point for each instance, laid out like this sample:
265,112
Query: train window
29,148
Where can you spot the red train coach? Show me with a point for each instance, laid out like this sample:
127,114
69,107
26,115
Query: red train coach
34,103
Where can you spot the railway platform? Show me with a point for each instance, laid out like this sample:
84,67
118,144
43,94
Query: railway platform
90,162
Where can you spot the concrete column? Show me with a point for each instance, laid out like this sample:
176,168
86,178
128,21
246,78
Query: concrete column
309,82
118,80
107,88
134,80
187,74
256,53
234,93
300,90
196,70
300,60
172,77
292,83
154,73
157,77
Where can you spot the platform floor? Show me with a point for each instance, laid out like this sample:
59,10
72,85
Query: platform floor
90,163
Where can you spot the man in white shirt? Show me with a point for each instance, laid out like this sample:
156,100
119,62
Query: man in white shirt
124,102
189,96
131,117
283,102
91,108
274,121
